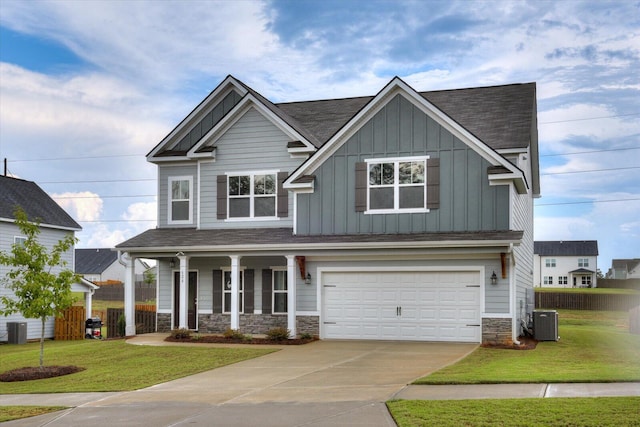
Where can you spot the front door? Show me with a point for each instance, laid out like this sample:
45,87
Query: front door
192,300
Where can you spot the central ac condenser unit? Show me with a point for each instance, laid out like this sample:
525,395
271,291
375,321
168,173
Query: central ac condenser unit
545,325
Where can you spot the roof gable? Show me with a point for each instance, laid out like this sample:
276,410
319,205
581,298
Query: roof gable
94,261
566,248
375,104
37,204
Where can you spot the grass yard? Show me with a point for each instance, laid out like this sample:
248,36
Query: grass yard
8,413
600,412
594,346
114,365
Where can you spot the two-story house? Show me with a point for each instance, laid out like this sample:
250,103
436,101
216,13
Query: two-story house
565,264
623,269
401,216
101,265
55,224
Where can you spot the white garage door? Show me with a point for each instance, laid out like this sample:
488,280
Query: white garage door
402,305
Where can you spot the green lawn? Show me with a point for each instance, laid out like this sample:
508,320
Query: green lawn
594,346
600,412
115,365
8,413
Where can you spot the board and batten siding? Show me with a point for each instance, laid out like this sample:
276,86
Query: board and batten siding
252,144
48,237
166,171
467,202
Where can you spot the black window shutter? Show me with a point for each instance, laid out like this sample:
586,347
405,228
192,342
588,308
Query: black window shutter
361,187
283,196
266,291
433,183
217,291
248,290
222,196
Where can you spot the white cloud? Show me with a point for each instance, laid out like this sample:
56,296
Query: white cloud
563,228
82,206
102,236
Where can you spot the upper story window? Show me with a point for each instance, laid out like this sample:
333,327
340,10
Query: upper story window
19,240
180,200
252,195
583,262
550,262
397,185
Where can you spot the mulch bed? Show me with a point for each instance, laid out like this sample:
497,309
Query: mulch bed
219,339
36,373
526,343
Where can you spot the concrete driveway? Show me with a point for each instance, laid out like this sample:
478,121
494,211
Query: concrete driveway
322,383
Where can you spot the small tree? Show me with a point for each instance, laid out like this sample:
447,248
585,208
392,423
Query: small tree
40,282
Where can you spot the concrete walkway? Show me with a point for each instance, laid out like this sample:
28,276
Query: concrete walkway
326,383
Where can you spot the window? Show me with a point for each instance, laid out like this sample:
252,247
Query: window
397,185
279,291
548,280
550,262
19,240
180,200
252,195
562,280
226,292
583,262
586,281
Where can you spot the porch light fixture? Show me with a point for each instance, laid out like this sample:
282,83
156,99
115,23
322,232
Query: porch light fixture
494,278
307,279
172,263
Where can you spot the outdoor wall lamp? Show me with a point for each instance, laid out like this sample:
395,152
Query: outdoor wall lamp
307,279
172,263
494,278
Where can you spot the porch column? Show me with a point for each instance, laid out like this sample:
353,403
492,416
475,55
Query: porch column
129,295
235,292
88,301
291,296
184,275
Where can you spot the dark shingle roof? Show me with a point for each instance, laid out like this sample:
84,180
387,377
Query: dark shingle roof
94,261
566,248
174,239
34,201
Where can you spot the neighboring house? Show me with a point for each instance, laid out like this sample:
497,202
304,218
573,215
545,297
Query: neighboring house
55,223
401,216
566,264
623,269
101,265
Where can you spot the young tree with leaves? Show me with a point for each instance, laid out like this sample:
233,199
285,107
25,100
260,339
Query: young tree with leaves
38,277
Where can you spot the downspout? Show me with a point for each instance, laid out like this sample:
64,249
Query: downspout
515,320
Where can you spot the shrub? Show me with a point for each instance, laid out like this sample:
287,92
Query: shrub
121,325
306,336
181,334
278,334
233,334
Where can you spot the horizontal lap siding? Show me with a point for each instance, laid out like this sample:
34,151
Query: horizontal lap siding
467,202
252,144
166,171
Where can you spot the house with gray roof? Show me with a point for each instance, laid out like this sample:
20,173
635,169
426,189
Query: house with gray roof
403,215
100,265
623,269
55,224
566,263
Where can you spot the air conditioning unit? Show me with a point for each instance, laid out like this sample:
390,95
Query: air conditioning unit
545,325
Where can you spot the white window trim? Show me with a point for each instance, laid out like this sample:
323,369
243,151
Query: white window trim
252,196
548,280
550,262
241,291
396,185
583,262
273,291
22,239
563,280
170,180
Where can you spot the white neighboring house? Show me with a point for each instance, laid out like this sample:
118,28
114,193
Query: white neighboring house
623,269
101,265
565,264
55,223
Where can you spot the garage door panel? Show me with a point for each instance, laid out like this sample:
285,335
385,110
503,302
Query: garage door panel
425,306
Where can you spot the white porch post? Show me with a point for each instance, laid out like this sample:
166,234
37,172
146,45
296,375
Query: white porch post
88,301
184,275
235,292
129,295
291,296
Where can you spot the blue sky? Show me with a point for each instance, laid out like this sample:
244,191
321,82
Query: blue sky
88,88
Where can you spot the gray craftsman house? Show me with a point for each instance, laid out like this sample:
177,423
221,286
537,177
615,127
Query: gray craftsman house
401,216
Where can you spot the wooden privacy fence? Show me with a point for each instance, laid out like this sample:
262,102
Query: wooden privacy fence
586,301
145,320
70,325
